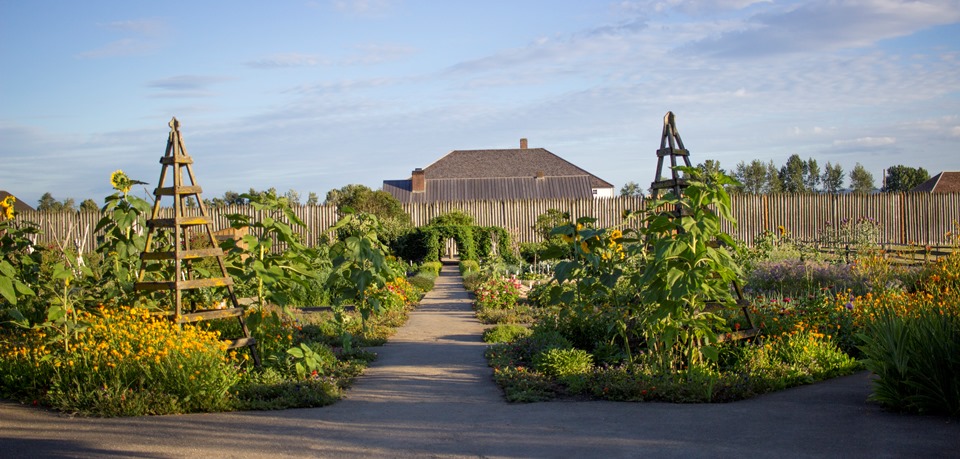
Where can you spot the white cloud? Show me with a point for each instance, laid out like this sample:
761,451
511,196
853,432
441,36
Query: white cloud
866,142
362,7
288,60
185,86
144,37
829,25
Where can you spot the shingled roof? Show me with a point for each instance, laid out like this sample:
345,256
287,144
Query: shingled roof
944,182
516,173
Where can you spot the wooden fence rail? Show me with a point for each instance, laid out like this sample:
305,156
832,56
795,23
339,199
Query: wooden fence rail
905,218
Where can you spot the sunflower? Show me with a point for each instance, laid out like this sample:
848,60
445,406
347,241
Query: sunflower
6,207
120,181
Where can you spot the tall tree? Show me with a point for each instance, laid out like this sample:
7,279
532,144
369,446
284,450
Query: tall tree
313,199
832,178
293,197
752,177
811,179
387,208
630,189
232,198
793,175
48,203
861,180
902,178
773,183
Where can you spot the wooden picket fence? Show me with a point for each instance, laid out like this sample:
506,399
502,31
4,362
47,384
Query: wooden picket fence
904,219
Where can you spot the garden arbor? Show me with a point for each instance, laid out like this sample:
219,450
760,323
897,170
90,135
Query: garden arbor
185,240
672,146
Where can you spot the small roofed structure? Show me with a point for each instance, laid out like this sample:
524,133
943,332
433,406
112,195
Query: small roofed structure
944,182
517,173
18,205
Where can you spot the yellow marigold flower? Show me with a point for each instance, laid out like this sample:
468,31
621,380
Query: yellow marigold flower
584,247
567,238
616,234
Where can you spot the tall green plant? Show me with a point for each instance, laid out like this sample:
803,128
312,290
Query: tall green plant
690,265
274,275
122,224
19,259
359,265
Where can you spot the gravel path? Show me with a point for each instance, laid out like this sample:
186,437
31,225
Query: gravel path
430,394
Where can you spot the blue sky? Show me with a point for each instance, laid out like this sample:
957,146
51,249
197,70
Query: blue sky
315,95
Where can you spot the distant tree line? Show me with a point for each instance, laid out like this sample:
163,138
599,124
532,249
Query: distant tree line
799,176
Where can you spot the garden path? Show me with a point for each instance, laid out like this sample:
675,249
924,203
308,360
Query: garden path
430,394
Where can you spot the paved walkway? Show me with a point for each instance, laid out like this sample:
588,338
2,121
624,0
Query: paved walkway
430,394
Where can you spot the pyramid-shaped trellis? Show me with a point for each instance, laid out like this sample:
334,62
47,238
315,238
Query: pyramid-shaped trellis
672,146
177,234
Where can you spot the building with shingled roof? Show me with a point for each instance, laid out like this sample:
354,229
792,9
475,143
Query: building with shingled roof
504,174
944,182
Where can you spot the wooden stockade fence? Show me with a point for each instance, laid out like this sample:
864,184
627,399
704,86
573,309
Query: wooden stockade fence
904,218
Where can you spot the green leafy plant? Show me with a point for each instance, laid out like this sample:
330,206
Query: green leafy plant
123,224
690,265
503,333
276,275
360,266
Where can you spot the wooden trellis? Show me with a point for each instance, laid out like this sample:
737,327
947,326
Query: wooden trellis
170,240
672,146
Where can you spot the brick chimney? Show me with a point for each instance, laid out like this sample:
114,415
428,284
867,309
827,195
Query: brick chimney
417,181
523,144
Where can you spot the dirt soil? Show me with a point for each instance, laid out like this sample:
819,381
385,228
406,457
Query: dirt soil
431,394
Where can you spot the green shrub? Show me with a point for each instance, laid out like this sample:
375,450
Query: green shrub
469,266
423,281
560,363
504,333
431,267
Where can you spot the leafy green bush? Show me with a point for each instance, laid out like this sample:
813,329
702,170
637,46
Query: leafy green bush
431,267
423,281
504,333
559,362
469,266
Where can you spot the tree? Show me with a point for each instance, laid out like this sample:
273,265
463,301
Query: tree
861,180
389,211
89,205
793,175
313,199
48,203
811,179
232,198
752,177
293,197
832,178
631,189
902,178
773,182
